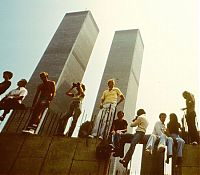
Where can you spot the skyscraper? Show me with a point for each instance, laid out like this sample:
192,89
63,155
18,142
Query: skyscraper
124,65
65,59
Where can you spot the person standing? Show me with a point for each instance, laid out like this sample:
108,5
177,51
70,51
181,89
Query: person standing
140,121
109,101
160,132
191,117
74,109
7,75
43,96
173,129
13,100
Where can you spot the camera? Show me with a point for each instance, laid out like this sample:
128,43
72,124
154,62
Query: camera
76,84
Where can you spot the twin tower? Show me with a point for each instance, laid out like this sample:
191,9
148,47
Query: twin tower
66,59
68,53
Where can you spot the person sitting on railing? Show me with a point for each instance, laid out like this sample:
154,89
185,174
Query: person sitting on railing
160,132
74,109
119,127
141,122
173,129
190,117
108,102
13,100
7,75
43,96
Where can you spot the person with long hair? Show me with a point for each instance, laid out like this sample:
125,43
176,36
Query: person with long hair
173,128
74,109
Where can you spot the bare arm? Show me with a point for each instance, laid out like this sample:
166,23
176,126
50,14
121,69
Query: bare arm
135,123
53,89
121,99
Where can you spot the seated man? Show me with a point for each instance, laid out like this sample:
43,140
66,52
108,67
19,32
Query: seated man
119,127
7,75
44,95
159,132
141,122
14,99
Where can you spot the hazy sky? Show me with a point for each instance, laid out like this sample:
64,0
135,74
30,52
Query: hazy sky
169,30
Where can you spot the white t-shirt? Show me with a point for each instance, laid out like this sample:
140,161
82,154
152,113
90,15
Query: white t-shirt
20,91
159,128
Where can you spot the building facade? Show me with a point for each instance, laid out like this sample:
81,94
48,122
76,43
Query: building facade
124,65
65,60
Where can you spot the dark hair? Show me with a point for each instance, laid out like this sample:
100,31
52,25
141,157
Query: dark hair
173,118
140,112
10,74
44,74
24,82
120,112
162,114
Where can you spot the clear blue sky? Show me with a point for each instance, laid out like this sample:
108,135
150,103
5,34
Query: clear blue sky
169,29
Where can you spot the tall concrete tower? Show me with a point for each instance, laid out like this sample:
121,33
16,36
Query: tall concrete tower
124,65
65,59
66,56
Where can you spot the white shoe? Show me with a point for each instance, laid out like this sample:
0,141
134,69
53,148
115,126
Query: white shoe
25,131
32,131
91,136
100,137
194,143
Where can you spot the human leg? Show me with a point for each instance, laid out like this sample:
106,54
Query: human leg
192,130
7,104
136,138
150,144
180,143
97,123
162,143
37,114
169,142
77,112
125,138
64,119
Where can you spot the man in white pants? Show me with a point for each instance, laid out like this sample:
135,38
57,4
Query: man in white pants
160,132
107,108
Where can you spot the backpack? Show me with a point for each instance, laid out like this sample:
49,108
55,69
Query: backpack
85,129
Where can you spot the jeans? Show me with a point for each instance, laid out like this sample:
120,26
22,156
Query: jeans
164,140
180,143
133,139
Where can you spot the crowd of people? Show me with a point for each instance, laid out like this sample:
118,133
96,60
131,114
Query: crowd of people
105,123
